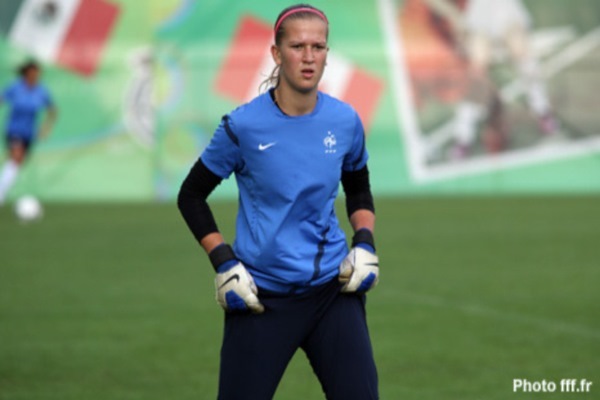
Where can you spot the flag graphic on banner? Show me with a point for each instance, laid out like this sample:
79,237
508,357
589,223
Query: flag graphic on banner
249,62
70,33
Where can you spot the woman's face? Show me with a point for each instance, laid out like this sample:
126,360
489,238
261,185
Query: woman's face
302,54
32,76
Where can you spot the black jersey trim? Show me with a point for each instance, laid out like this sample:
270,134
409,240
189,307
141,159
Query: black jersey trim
319,256
229,131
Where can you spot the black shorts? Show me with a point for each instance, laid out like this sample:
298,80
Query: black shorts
13,140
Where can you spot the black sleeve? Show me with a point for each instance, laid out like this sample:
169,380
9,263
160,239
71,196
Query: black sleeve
191,201
358,190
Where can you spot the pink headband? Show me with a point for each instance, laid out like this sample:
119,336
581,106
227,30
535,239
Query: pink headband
302,9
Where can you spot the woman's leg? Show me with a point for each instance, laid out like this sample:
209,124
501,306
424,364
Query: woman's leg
340,352
258,347
17,150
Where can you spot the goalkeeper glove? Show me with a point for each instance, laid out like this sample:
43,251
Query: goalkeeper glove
235,287
359,271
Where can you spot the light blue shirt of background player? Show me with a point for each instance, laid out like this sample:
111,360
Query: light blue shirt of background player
288,170
26,99
25,104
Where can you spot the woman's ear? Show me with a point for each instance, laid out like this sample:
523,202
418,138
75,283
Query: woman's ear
276,54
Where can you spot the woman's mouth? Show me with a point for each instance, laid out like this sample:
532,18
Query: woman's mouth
308,73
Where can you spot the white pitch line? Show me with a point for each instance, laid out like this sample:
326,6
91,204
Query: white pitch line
487,312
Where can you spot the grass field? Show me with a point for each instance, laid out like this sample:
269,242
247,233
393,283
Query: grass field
116,302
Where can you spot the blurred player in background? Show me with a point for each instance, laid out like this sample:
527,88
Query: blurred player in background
484,26
290,265
27,98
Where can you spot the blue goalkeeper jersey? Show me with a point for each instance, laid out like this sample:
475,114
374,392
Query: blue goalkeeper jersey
25,104
288,172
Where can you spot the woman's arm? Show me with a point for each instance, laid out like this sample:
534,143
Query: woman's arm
48,124
196,188
359,272
236,290
359,200
363,219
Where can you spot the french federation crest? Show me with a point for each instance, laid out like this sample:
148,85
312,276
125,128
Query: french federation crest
330,143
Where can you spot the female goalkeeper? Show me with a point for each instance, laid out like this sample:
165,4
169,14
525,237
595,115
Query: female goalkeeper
289,281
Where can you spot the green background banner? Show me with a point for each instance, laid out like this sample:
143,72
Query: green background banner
132,130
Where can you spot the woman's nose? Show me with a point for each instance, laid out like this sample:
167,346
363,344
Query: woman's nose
307,54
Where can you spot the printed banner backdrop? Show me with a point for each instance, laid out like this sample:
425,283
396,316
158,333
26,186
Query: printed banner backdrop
140,87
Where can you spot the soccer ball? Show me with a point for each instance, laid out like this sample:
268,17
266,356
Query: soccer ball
28,208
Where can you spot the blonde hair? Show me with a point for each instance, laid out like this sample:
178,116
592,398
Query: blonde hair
271,81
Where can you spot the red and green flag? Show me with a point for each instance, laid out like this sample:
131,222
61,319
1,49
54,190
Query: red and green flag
69,33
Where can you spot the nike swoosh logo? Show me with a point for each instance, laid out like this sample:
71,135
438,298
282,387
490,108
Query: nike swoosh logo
373,264
263,147
232,277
